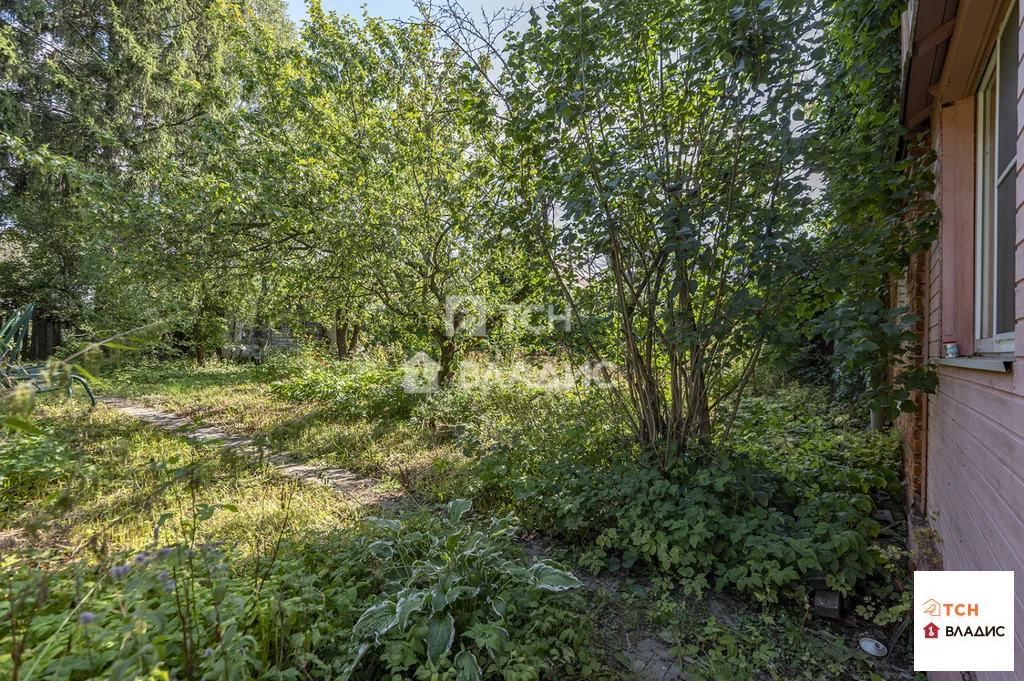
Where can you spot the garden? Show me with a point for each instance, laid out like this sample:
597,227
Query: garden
543,344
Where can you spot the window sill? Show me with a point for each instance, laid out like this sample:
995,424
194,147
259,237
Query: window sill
996,364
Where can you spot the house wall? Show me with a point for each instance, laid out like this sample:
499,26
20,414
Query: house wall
974,462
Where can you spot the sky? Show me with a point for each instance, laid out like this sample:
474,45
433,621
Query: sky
388,9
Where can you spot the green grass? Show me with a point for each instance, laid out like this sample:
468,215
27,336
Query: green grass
105,481
243,399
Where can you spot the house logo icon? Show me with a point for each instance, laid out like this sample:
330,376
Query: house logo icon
932,607
931,630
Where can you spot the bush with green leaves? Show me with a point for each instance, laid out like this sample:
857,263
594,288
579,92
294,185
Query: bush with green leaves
426,597
370,386
792,497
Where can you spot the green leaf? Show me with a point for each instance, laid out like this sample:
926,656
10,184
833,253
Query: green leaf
377,620
498,605
457,592
388,525
455,509
408,604
467,667
440,635
552,579
382,549
22,425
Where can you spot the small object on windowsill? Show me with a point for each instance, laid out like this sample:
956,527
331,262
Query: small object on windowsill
950,349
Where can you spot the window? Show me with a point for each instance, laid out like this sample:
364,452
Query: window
997,195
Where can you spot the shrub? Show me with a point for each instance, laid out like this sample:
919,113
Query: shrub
792,497
369,386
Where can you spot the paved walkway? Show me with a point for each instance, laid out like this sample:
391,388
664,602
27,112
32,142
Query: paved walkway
344,482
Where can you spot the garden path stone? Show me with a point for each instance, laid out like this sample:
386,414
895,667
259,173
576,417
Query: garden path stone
650,659
352,486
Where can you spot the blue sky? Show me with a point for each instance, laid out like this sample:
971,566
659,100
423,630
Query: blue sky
389,9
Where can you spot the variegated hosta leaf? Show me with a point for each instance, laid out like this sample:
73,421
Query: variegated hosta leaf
498,605
376,620
552,579
514,570
452,541
350,666
467,667
440,635
502,527
408,604
438,598
382,549
456,508
457,592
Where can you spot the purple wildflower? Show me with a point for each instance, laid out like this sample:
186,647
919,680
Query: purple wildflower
85,617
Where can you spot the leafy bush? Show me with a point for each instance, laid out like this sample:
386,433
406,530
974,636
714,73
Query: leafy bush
370,386
791,498
428,597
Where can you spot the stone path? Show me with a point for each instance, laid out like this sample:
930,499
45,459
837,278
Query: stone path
651,660
346,483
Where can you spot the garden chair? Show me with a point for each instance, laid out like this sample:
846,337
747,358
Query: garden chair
13,373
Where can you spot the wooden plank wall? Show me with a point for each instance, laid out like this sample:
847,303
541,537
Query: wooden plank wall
975,421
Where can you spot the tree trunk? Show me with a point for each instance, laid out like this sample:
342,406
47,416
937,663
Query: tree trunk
341,335
44,339
355,338
446,363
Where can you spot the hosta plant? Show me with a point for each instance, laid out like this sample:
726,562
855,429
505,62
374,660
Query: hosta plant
450,599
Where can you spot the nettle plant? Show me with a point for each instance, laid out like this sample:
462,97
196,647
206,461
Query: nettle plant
450,598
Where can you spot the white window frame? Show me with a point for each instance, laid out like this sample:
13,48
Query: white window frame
988,95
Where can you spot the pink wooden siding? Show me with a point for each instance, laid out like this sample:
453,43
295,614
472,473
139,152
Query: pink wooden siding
974,470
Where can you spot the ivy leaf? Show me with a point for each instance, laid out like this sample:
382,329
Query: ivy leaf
440,635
